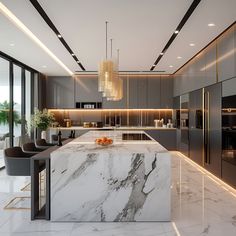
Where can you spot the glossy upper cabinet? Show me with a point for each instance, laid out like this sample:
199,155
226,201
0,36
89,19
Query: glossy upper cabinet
226,55
151,92
142,92
86,89
154,93
166,92
133,93
60,92
209,70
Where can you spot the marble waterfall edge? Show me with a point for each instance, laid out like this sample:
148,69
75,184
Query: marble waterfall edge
116,183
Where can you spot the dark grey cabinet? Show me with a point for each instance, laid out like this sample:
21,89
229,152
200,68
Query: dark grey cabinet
153,92
212,131
60,92
166,92
142,92
167,138
176,107
196,140
86,89
184,124
226,47
133,93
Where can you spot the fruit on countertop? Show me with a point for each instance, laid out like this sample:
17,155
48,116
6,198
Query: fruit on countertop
104,141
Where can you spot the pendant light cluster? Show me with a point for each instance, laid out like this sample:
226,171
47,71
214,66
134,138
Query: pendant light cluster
109,82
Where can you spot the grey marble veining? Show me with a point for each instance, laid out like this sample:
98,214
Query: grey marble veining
126,181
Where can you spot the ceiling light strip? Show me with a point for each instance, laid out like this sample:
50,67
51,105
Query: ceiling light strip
43,14
177,30
23,28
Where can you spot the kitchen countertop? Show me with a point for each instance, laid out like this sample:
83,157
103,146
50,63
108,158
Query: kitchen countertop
114,128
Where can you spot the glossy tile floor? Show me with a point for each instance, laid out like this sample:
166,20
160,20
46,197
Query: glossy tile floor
201,205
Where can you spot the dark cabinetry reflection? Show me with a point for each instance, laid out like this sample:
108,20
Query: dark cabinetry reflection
184,124
196,126
229,129
229,139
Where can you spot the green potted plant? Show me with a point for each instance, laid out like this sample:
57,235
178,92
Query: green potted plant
5,114
42,120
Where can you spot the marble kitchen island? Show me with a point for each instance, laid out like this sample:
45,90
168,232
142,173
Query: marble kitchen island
126,181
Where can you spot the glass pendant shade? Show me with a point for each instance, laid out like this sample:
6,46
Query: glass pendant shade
109,82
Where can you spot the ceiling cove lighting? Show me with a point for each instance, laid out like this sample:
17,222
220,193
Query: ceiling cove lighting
191,44
179,57
178,28
24,29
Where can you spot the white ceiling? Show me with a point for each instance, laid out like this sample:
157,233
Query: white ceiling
140,29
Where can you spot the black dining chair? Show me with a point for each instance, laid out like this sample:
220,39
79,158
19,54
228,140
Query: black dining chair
31,148
42,144
17,163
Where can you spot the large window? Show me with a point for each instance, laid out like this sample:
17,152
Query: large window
4,106
17,105
29,103
18,97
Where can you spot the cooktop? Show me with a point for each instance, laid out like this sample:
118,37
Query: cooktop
135,136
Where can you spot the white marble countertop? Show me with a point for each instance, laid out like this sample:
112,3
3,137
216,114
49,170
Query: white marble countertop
116,135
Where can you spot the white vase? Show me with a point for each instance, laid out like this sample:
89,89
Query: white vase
43,134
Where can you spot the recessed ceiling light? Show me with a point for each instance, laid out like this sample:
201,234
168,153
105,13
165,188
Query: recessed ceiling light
171,66
24,29
154,65
44,66
162,53
12,44
211,24
179,57
192,44
78,61
176,32
59,36
72,54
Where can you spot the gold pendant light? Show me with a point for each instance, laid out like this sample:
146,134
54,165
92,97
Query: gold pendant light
109,82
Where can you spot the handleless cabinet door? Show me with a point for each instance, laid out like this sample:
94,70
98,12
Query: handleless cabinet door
87,89
142,92
166,92
133,93
195,126
60,92
226,55
153,92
